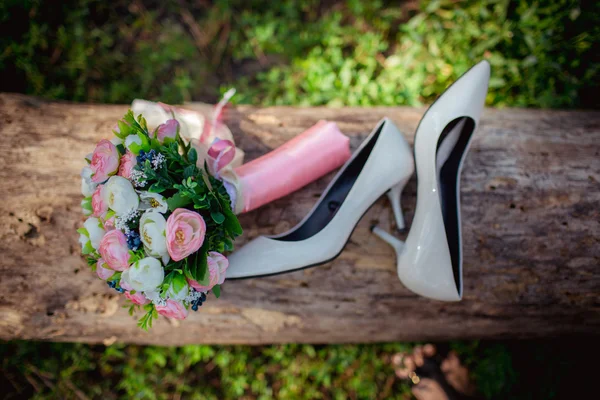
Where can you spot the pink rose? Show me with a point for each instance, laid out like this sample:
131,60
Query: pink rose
217,265
114,250
109,224
105,161
102,270
173,309
137,298
128,161
99,206
167,130
185,233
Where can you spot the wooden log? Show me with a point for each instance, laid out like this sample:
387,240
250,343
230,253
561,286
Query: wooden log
531,226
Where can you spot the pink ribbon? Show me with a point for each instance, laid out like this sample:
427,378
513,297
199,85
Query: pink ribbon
304,159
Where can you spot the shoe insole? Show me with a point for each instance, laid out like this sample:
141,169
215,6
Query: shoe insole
451,148
337,193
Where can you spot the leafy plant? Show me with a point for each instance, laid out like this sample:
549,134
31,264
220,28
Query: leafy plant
543,53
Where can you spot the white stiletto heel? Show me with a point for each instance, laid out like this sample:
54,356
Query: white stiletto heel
396,243
382,163
430,261
395,196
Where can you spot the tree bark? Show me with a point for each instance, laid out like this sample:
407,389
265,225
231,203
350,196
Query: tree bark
530,198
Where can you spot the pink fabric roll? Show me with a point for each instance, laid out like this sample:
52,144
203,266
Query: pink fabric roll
304,159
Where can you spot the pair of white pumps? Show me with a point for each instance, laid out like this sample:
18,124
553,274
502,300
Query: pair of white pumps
430,261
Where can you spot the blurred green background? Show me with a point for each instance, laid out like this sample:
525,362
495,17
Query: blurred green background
304,52
360,53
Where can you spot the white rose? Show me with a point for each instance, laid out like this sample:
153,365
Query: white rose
95,231
179,296
144,275
153,201
152,233
116,141
129,140
120,196
87,186
91,234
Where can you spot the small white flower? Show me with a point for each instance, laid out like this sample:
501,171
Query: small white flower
153,202
138,178
93,233
144,275
122,222
153,234
192,296
158,161
87,186
154,297
120,195
179,296
129,140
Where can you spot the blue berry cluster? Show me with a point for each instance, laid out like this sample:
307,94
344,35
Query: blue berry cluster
198,302
113,284
143,156
133,240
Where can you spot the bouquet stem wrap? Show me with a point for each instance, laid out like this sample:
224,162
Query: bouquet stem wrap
304,159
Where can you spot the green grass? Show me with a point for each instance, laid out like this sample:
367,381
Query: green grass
517,370
543,54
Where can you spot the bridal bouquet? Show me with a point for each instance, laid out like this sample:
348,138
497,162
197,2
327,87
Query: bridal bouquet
161,203
158,220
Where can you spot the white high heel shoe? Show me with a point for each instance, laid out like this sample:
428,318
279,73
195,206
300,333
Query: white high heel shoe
382,163
430,262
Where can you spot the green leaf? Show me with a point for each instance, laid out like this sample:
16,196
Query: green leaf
157,188
91,261
168,141
86,204
177,201
192,156
155,144
178,282
83,231
228,244
125,130
135,148
143,123
198,265
87,249
109,215
189,171
115,277
167,280
145,141
217,217
232,224
121,148
146,321
217,291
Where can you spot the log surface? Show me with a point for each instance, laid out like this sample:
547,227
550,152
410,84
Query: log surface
531,225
